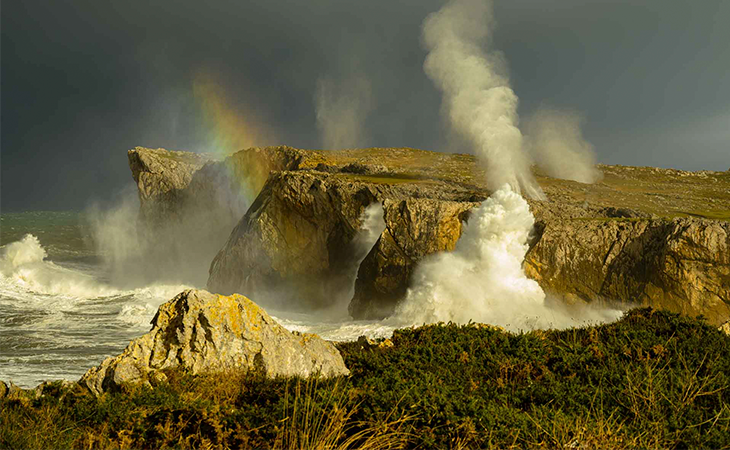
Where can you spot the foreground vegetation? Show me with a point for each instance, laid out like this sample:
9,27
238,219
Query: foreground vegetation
651,380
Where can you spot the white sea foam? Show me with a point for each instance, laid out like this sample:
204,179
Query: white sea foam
482,280
26,276
24,270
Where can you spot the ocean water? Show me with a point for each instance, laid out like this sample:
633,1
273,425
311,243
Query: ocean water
61,313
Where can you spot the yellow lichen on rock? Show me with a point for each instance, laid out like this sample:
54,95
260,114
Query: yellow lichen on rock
204,332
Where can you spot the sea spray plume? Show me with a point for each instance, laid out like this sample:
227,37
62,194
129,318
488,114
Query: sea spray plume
341,107
477,99
138,251
558,147
482,279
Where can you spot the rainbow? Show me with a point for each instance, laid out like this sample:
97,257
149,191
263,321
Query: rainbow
230,129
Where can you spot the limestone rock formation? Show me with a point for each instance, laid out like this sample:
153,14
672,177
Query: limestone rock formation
682,264
162,176
172,184
295,238
414,228
203,332
295,243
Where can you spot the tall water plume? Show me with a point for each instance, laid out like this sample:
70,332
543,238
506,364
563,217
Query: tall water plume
341,106
478,101
482,279
558,146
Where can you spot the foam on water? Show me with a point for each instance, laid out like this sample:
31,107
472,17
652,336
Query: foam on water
57,320
24,270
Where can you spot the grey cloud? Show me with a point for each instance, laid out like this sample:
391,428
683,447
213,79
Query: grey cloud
82,81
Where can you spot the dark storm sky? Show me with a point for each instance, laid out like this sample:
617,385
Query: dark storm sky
83,81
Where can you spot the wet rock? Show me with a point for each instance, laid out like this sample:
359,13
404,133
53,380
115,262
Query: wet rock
682,265
203,332
295,243
414,229
591,242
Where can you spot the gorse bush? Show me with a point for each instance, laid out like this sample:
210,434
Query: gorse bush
651,380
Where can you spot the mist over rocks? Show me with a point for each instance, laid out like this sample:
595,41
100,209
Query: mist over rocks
294,243
203,332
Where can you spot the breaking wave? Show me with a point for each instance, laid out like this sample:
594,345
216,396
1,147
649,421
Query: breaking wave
27,276
482,280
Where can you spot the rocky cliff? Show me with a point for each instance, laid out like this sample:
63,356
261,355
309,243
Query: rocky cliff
296,242
203,332
638,236
679,264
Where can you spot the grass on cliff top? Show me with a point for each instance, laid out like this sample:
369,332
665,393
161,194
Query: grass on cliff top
651,380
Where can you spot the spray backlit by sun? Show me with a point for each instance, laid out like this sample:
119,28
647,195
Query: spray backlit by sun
478,101
230,128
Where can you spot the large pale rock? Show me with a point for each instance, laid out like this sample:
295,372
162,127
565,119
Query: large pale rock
203,332
682,264
189,203
295,243
414,228
173,184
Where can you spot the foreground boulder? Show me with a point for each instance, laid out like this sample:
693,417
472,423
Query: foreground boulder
203,332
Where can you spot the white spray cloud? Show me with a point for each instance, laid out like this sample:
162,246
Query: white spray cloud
477,98
558,145
136,253
341,107
482,279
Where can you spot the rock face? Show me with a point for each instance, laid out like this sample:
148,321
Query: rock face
414,228
682,264
203,332
620,239
162,178
173,184
296,241
189,203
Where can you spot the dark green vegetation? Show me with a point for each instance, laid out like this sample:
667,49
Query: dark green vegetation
651,380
